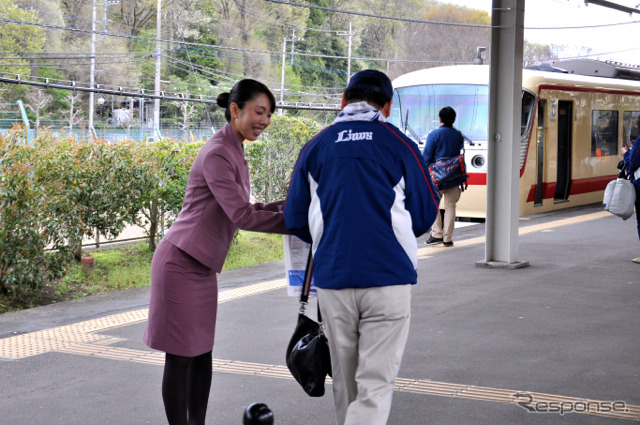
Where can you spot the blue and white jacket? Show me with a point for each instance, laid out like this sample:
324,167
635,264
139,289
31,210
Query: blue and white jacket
360,193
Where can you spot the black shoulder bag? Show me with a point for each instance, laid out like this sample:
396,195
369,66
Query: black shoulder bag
308,357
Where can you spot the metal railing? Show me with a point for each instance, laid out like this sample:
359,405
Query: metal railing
60,128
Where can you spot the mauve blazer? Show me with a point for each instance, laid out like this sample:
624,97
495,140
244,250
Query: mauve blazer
216,203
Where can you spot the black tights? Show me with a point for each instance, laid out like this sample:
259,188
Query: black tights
185,388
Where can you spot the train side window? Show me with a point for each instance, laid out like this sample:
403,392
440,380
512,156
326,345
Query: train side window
604,133
630,126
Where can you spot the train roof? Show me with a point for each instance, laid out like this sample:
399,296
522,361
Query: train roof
532,78
466,74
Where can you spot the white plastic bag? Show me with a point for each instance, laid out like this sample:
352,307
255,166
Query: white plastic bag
620,198
296,252
608,193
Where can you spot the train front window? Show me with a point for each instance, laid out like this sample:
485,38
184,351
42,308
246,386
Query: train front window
415,109
526,117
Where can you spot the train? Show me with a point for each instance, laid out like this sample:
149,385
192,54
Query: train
575,116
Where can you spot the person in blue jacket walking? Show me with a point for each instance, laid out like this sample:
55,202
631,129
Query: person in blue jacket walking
444,142
631,165
360,195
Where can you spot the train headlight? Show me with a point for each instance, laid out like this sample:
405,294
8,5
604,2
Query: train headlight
477,161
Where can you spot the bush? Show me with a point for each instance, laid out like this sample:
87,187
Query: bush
99,186
167,164
272,157
29,222
54,191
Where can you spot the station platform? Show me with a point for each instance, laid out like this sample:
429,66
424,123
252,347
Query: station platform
557,342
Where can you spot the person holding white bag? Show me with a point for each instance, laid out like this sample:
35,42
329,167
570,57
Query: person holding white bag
631,166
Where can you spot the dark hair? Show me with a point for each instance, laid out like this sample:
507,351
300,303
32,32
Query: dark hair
242,92
447,116
376,99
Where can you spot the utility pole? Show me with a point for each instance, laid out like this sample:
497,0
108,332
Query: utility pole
350,34
93,67
156,102
92,80
293,39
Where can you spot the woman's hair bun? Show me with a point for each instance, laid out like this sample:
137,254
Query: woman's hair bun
223,100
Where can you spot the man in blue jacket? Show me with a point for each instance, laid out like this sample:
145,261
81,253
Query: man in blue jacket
445,142
631,165
360,194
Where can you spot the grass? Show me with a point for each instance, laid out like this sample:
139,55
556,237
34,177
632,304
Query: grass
128,266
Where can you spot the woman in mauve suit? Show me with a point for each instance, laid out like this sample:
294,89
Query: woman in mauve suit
184,288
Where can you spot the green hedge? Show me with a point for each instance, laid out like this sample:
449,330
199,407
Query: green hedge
56,190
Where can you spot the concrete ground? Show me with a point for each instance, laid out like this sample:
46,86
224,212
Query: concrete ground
553,343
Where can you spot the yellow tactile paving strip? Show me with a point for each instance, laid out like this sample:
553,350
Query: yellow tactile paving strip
425,252
82,338
57,339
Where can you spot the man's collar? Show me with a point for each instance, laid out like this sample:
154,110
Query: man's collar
359,111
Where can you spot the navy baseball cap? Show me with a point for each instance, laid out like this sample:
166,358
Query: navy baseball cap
373,80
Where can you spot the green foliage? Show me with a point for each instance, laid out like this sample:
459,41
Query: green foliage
252,248
146,68
27,227
200,57
55,191
167,164
129,266
189,113
16,38
115,269
101,185
272,157
535,53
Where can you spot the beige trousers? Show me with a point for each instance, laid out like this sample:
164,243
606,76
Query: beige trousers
367,330
448,199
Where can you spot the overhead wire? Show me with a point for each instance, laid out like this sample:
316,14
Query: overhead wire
300,62
208,46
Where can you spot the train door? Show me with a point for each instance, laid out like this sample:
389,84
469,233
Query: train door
563,177
540,153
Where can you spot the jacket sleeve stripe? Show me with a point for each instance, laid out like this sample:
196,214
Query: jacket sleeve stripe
634,160
295,168
426,178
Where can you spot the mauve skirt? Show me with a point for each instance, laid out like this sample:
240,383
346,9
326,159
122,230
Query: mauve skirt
184,303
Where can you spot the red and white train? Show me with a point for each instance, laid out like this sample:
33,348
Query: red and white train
575,117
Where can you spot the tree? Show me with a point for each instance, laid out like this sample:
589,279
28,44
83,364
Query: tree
199,60
49,11
18,40
75,10
167,165
272,157
446,43
135,14
255,25
102,186
73,113
38,102
32,247
535,53
187,110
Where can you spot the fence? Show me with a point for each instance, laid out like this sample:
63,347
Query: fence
129,234
195,132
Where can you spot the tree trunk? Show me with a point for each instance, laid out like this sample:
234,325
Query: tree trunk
154,217
76,248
